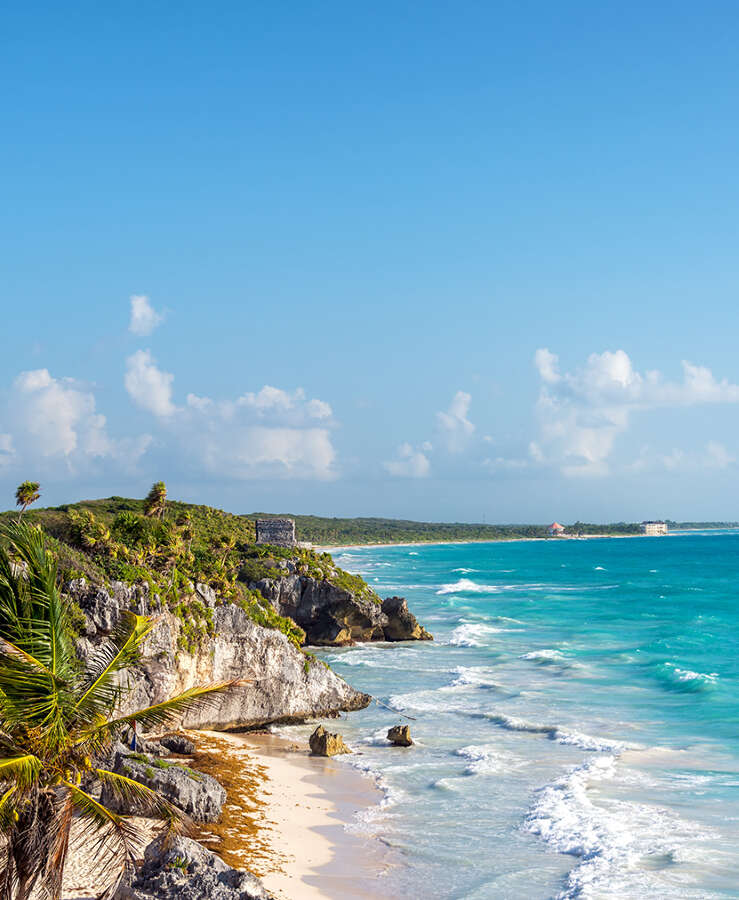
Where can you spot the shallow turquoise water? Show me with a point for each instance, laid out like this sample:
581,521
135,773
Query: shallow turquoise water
577,718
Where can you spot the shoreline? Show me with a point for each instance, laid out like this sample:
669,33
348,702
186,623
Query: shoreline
289,826
328,548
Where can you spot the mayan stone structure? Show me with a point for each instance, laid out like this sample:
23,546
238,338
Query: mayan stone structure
276,531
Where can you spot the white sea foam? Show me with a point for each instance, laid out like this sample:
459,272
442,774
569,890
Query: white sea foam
473,676
487,759
550,657
599,569
472,634
464,571
561,735
613,838
467,586
686,679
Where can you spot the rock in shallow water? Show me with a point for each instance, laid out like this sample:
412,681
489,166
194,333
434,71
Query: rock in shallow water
185,870
324,743
400,735
402,625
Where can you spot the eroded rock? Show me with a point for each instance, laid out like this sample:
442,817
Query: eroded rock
402,625
183,869
277,685
400,735
324,743
333,616
195,793
178,743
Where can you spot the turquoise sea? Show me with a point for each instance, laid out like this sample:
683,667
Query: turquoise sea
576,718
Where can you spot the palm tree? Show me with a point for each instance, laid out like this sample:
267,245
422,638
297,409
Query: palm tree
57,717
26,494
155,503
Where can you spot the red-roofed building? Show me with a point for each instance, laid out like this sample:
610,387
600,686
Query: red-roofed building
556,529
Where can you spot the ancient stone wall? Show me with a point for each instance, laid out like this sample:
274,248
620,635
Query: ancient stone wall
276,531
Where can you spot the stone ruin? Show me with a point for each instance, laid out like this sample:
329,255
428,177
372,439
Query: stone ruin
280,532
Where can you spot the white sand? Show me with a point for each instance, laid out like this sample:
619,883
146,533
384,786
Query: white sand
308,802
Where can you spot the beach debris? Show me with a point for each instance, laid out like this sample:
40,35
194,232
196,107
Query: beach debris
400,735
178,743
324,743
178,868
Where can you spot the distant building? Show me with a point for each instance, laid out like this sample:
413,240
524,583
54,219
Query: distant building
280,532
654,529
555,529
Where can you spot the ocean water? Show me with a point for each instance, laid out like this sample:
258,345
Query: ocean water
576,718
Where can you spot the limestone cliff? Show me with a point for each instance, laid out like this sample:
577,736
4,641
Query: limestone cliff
283,684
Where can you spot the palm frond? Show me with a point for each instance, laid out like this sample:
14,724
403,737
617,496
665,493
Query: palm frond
100,690
135,793
115,840
7,807
168,711
23,770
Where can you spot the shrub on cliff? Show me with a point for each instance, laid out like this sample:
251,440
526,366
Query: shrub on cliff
57,717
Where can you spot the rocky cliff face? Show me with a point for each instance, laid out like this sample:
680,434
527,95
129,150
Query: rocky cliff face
331,615
283,684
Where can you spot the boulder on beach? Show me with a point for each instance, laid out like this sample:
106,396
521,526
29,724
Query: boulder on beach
195,793
324,743
400,735
183,869
178,743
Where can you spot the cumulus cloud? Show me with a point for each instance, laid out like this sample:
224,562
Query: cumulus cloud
454,424
454,432
411,462
147,385
582,413
54,420
144,318
268,433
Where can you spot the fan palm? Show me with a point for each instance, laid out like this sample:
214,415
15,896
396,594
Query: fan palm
25,494
155,503
57,717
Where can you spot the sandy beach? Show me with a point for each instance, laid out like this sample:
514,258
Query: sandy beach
285,815
516,540
284,820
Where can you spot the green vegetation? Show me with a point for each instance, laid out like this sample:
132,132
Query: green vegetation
171,547
56,719
25,494
262,612
341,532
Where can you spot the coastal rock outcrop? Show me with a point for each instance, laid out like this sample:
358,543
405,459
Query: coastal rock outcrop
195,793
279,683
402,625
178,743
183,869
400,736
333,616
325,743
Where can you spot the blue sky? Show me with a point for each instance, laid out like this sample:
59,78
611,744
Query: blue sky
357,231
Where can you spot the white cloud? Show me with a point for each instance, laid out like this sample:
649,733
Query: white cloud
270,433
454,424
717,456
148,386
144,318
54,421
582,413
411,462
